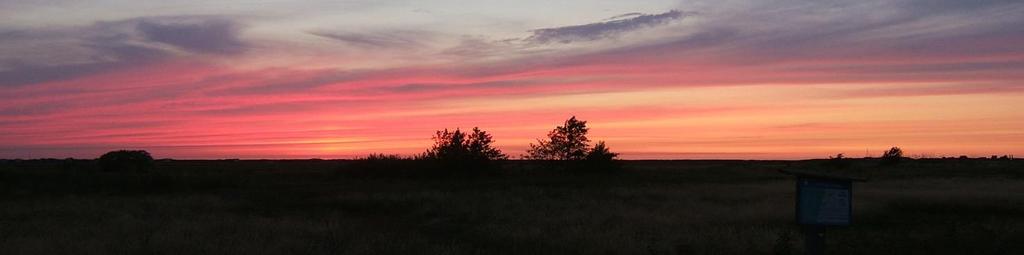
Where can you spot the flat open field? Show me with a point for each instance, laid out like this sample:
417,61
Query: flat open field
651,207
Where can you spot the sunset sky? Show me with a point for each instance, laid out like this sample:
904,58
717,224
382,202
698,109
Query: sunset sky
654,79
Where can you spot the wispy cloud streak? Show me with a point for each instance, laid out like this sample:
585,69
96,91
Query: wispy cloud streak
594,31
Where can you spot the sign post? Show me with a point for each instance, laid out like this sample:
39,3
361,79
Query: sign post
822,201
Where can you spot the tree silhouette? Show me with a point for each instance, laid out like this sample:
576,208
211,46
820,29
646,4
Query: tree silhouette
480,146
600,153
569,145
892,156
600,158
566,142
459,146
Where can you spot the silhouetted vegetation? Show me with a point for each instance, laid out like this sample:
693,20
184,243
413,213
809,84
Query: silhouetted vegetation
566,142
601,153
567,146
892,156
126,160
459,146
600,158
839,161
383,157
454,153
457,151
382,165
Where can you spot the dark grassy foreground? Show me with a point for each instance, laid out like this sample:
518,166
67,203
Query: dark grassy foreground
653,207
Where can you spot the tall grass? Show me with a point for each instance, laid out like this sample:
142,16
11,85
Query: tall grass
651,207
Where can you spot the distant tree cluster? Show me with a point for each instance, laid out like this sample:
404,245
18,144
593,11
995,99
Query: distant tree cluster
569,143
460,152
895,156
892,156
460,146
994,157
1003,157
453,151
566,142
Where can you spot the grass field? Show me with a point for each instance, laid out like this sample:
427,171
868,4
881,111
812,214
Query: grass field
651,207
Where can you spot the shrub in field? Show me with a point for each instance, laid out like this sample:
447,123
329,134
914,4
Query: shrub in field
382,157
126,160
566,142
600,153
892,156
601,158
460,146
568,146
839,161
381,165
461,151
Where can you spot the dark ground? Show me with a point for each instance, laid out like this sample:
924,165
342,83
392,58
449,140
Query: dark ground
651,207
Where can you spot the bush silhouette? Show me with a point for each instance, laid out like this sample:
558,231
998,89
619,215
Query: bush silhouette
839,161
382,157
459,151
892,156
566,142
459,146
569,146
480,146
126,160
601,158
381,165
601,153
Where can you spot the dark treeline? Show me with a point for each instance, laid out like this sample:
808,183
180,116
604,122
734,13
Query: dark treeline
472,153
457,152
454,153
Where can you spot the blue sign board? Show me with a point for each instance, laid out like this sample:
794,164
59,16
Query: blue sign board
824,202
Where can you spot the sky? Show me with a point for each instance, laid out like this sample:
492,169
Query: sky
772,79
